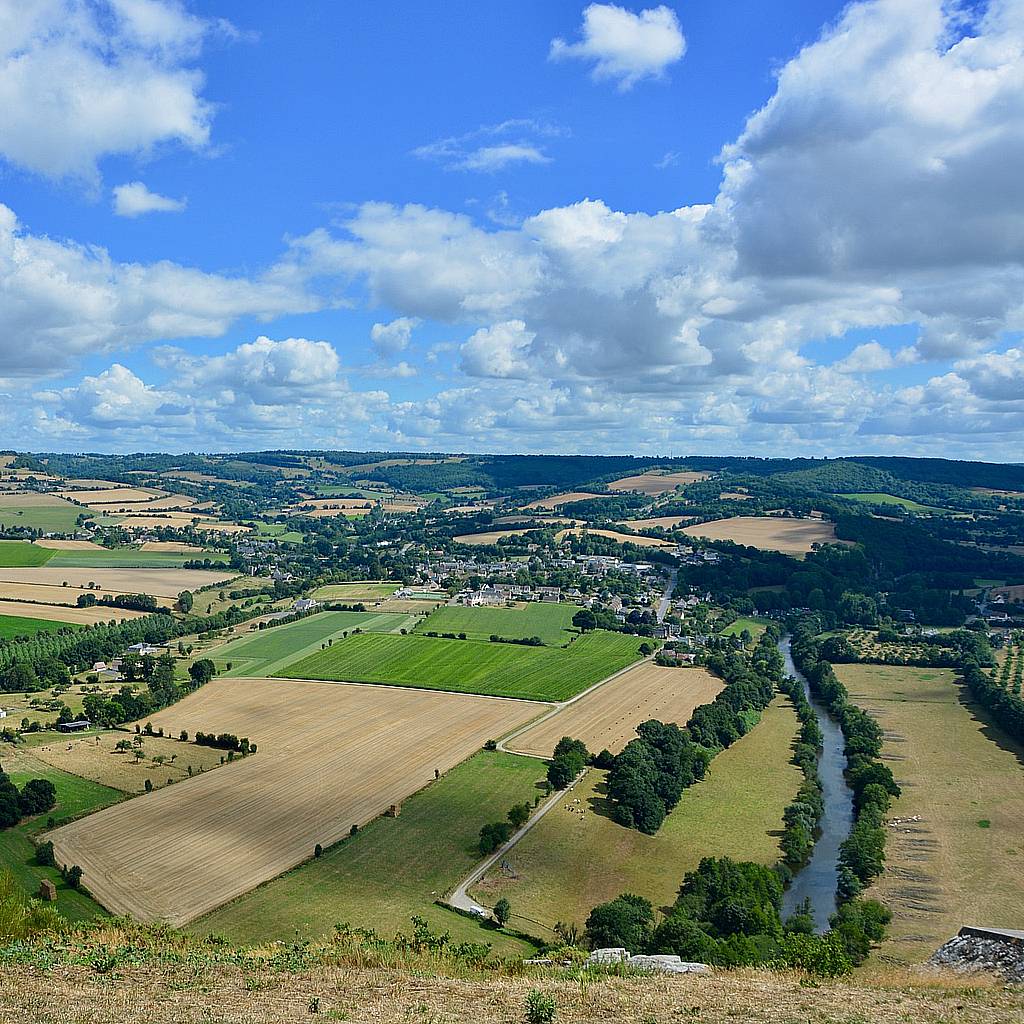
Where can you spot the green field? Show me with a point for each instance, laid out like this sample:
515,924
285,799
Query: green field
755,626
265,651
16,553
130,558
279,531
17,625
551,622
353,593
61,517
472,666
570,861
394,868
877,498
75,797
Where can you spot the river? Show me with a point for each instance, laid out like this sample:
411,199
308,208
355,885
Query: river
817,879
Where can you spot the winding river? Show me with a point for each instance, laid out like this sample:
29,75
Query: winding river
817,879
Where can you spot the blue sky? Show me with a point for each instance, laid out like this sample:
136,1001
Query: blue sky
760,228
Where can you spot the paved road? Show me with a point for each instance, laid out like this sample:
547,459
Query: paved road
666,598
459,897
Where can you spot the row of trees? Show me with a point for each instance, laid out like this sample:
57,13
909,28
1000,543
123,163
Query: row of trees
862,854
35,797
728,913
225,741
495,833
1005,706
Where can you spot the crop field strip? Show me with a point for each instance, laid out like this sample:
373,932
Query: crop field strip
329,757
14,553
14,625
130,558
577,857
606,718
263,652
955,844
551,622
472,666
156,582
63,614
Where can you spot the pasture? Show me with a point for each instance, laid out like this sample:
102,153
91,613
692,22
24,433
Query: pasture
472,666
955,844
606,718
754,626
878,498
621,538
22,553
577,857
75,797
164,760
353,593
329,757
156,582
394,868
44,512
656,483
16,625
790,536
264,651
551,622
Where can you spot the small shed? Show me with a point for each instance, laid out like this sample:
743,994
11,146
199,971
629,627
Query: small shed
79,726
47,891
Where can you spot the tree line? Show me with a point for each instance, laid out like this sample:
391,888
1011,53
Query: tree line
35,797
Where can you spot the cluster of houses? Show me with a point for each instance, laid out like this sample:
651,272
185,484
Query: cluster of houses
112,669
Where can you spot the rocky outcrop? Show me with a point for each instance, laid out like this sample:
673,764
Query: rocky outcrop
661,963
990,950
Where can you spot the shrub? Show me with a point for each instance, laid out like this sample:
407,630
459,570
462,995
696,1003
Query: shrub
540,1007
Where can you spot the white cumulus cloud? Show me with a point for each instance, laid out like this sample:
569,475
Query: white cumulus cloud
625,46
135,199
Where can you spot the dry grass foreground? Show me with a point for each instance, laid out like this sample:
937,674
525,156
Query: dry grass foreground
960,861
606,718
63,612
366,988
330,756
156,582
790,536
654,484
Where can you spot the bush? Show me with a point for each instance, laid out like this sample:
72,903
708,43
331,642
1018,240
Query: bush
540,1007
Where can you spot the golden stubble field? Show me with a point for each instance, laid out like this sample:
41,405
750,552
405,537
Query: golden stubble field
790,536
606,718
64,612
329,756
622,538
156,582
656,484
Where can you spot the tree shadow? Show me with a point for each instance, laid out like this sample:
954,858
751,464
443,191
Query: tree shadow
990,729
600,803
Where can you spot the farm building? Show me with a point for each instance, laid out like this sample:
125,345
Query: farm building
79,726
305,604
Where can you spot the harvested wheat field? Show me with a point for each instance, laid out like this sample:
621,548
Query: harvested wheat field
173,546
329,756
30,499
555,500
655,484
39,594
163,504
491,537
156,582
606,718
67,545
131,521
622,538
64,612
108,494
790,536
666,522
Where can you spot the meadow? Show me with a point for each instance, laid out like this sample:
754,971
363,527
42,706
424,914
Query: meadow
551,622
22,553
394,868
16,625
38,512
472,666
263,652
754,626
131,558
577,857
353,593
878,498
955,847
329,757
75,797
607,717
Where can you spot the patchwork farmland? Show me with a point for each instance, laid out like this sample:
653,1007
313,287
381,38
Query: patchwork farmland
606,718
329,757
472,666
